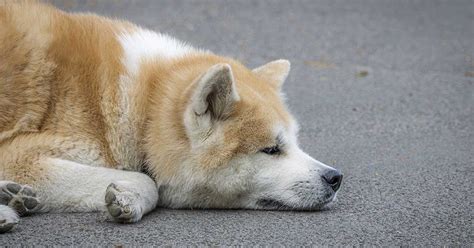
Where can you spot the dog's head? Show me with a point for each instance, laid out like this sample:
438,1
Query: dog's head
233,144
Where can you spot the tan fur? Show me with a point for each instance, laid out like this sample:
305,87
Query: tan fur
54,69
167,142
59,97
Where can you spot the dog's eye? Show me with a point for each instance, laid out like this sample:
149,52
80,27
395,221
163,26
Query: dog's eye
274,150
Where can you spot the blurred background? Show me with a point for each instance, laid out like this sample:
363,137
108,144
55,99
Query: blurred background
383,90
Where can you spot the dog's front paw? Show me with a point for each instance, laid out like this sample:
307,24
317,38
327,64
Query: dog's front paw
122,204
22,198
8,218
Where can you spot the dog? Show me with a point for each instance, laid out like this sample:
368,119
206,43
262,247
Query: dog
103,115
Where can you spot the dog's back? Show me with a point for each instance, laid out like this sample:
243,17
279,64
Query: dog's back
58,73
25,72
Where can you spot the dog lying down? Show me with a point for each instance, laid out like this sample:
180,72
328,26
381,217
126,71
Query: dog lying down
87,104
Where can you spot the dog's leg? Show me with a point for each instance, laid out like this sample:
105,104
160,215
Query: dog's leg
126,195
66,175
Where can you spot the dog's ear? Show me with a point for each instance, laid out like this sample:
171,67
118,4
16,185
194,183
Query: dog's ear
275,72
215,94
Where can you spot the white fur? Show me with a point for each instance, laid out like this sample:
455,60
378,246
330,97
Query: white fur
142,44
8,218
81,188
293,179
8,214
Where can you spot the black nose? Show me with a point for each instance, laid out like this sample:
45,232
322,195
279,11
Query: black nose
333,178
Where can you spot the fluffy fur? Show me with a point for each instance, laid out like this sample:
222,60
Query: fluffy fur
88,103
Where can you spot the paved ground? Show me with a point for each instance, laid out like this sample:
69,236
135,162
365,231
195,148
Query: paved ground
383,90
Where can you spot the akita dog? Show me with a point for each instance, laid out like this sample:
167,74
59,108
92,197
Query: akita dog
102,115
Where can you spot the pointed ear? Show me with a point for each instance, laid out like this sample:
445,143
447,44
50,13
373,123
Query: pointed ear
275,72
215,93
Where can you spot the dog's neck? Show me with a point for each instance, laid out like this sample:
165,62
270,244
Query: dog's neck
168,85
146,59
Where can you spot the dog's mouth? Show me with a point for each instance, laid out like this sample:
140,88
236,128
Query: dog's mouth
273,204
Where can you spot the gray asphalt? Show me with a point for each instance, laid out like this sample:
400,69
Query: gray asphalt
383,90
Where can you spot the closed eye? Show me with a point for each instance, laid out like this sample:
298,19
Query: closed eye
274,150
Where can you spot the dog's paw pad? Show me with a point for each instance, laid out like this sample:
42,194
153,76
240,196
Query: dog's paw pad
13,187
122,205
8,219
22,198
